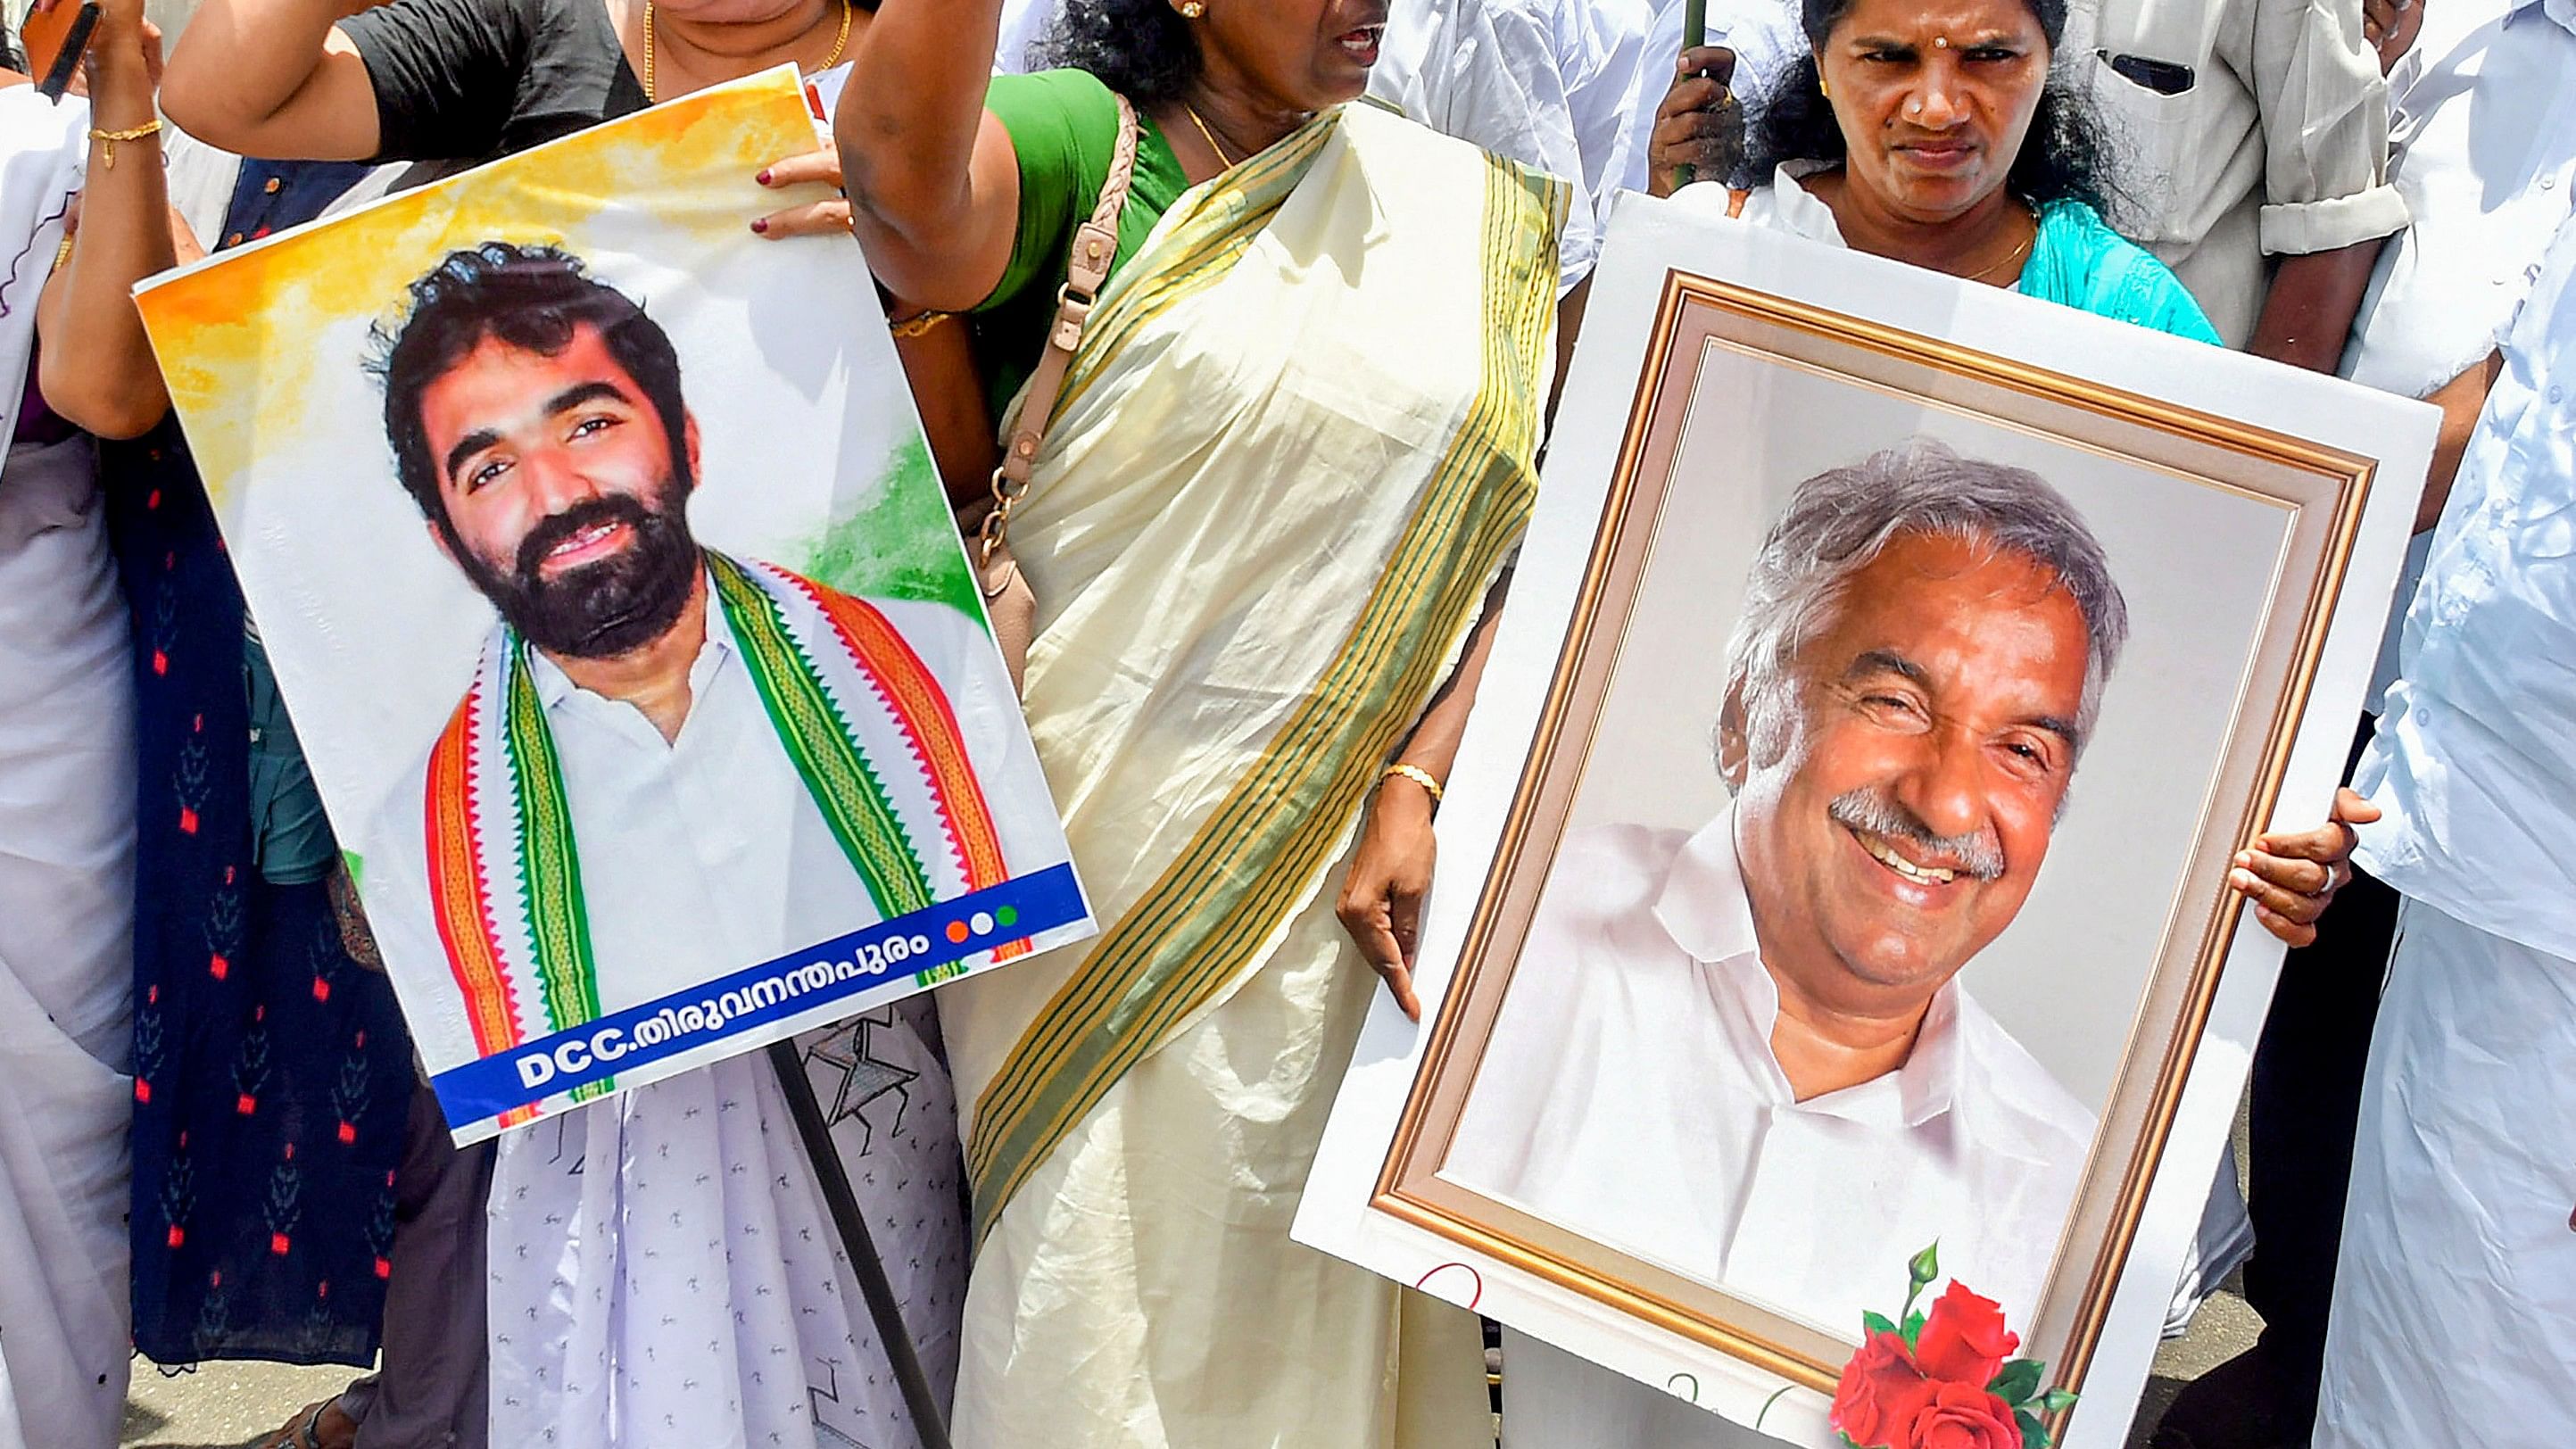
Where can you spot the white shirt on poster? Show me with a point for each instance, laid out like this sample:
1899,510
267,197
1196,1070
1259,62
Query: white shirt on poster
1630,1093
2473,764
705,852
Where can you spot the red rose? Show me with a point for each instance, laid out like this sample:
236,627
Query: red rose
1880,1389
1964,1341
1955,1416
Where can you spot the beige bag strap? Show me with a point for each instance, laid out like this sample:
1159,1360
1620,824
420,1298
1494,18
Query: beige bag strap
1086,270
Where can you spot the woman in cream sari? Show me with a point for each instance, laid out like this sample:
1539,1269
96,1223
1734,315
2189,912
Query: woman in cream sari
1290,456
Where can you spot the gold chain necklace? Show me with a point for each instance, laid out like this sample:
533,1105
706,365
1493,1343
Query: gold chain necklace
652,94
2018,253
1204,134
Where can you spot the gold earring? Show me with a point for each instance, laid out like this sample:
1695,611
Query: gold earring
1823,89
1192,9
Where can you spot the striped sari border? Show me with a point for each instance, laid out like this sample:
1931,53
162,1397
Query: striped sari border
1202,922
1197,251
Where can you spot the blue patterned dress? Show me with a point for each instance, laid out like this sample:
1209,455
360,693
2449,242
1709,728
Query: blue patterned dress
272,1074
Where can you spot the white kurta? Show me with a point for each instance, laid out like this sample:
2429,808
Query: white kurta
1640,997
2483,131
663,1269
66,866
2457,1280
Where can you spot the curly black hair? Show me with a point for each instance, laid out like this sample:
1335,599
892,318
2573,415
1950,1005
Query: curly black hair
2066,157
532,298
1141,49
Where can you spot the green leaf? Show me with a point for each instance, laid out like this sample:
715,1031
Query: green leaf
1926,1265
1913,1329
2034,1434
1877,1323
2057,1401
2017,1382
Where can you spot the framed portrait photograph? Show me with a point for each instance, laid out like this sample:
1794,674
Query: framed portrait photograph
597,551
1837,865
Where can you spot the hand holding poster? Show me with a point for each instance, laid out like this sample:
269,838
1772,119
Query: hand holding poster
628,634
1836,862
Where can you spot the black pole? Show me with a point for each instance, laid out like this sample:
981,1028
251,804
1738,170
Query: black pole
816,1133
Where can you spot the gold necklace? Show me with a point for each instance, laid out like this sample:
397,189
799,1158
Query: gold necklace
2017,254
1206,135
651,93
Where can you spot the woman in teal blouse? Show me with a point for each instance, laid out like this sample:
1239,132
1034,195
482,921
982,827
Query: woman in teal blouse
1932,136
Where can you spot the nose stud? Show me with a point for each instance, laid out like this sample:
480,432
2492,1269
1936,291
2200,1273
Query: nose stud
1914,108
1940,42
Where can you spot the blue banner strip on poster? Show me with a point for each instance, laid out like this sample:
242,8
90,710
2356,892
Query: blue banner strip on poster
914,946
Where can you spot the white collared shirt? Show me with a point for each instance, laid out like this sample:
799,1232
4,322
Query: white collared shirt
2485,142
1630,1093
1552,84
2475,759
2483,127
707,852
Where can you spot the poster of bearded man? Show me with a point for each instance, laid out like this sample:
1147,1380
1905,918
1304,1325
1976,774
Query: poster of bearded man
622,615
1837,861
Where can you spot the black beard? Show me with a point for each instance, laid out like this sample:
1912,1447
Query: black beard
605,609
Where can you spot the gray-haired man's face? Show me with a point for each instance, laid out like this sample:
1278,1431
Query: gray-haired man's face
1894,802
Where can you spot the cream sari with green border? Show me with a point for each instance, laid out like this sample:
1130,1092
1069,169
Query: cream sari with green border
1292,455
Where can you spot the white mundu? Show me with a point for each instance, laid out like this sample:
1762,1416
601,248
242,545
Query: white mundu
1631,1094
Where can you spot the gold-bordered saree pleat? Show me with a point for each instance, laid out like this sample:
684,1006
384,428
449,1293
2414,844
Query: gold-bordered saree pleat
1235,884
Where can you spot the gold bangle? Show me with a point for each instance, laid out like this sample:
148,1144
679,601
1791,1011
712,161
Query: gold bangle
919,324
107,157
1417,775
63,253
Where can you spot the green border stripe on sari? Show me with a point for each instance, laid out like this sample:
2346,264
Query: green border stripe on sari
1199,245
1201,923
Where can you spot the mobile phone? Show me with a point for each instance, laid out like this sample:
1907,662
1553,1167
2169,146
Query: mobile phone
43,36
2164,77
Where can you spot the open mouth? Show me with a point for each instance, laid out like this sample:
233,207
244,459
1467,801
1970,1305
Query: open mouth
1361,44
583,545
1886,854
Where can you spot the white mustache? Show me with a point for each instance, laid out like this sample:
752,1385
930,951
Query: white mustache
1872,810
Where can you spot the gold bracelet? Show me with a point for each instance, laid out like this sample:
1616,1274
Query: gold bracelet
107,158
919,324
63,253
1417,775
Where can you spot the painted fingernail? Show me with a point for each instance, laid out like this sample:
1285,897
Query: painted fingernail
762,178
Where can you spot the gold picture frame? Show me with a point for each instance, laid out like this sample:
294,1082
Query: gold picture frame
2321,492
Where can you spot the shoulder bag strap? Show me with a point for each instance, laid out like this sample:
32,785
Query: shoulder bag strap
1086,270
